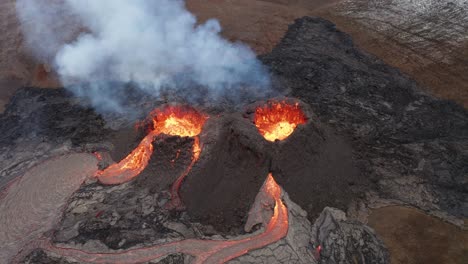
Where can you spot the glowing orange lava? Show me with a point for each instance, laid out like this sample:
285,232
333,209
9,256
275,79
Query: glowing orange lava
183,122
171,120
204,251
178,121
278,120
176,202
130,166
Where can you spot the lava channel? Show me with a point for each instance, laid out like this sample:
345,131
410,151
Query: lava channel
278,120
131,166
204,251
171,120
176,202
182,122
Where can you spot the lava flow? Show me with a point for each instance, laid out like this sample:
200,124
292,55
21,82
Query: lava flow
278,120
176,202
182,122
130,166
172,121
204,251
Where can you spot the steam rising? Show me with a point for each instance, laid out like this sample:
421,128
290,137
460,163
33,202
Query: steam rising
151,44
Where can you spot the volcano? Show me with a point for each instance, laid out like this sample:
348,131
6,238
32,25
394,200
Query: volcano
286,179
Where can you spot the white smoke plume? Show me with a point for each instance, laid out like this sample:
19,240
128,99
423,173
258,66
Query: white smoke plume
153,44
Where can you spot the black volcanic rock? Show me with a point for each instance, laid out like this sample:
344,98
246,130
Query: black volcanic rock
40,257
41,123
50,115
170,159
346,241
317,168
412,146
313,165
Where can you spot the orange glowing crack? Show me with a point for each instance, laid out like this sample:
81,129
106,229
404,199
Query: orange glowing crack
278,120
176,202
204,251
172,121
176,156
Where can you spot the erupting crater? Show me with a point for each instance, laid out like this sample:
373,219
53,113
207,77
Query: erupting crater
182,121
278,120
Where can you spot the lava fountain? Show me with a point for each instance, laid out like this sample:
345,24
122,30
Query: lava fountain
278,120
171,120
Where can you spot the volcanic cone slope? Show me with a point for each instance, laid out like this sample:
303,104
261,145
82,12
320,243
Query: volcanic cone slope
412,147
233,163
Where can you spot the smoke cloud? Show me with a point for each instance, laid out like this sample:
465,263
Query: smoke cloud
154,45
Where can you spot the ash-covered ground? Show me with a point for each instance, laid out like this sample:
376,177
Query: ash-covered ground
403,146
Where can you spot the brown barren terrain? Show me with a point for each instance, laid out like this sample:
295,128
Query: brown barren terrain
259,23
416,238
425,39
435,57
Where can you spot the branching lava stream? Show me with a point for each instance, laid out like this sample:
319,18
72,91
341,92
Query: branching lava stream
204,251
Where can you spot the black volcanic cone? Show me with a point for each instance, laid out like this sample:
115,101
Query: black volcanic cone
233,166
313,165
170,159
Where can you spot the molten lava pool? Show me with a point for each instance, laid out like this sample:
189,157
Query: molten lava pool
182,121
278,120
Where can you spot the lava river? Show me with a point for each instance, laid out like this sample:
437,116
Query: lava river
204,251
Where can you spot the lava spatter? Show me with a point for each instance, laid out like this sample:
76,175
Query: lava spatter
278,120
